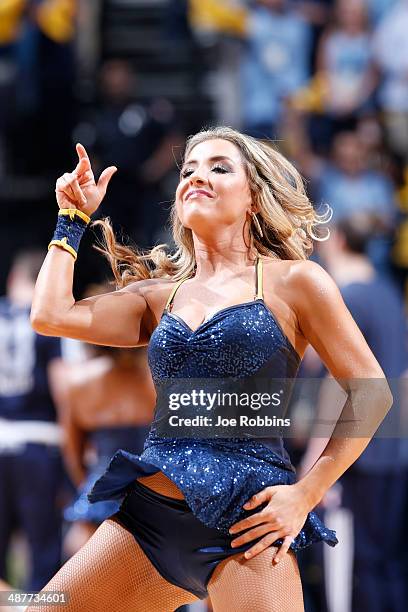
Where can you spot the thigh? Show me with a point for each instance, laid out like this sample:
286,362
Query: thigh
112,572
241,584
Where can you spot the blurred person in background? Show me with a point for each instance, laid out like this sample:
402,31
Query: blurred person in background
348,184
275,63
345,72
219,29
390,49
108,405
37,46
379,477
31,470
140,138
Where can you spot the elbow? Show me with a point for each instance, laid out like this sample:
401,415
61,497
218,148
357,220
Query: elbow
42,322
384,394
389,398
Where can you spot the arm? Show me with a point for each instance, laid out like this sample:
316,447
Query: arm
116,318
329,327
110,319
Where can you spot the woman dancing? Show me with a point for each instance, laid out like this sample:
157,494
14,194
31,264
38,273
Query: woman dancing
222,517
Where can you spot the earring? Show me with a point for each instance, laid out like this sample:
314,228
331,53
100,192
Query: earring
257,224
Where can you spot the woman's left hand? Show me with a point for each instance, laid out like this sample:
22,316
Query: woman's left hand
282,518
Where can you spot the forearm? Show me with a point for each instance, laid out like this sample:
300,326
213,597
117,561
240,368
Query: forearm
53,295
365,408
337,457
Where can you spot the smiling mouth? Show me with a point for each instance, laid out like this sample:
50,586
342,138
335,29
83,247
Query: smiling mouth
193,194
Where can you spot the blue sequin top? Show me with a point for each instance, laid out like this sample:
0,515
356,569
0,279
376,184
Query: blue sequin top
217,476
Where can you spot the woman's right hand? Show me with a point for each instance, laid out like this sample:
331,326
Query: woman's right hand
78,189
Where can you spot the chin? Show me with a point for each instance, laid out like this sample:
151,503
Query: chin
199,221
197,214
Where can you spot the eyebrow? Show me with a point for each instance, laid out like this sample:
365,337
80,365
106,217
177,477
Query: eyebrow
214,158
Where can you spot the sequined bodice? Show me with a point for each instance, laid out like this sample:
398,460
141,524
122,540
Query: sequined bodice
237,341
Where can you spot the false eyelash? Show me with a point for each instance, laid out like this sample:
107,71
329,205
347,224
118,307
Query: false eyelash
187,172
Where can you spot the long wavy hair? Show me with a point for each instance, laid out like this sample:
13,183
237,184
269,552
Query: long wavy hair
285,214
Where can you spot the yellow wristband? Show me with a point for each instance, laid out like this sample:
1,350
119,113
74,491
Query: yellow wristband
64,245
74,212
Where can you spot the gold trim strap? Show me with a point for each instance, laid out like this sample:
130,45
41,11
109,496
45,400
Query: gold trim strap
259,279
74,212
173,293
63,245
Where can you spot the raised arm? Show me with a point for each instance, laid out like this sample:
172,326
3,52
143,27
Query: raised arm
117,318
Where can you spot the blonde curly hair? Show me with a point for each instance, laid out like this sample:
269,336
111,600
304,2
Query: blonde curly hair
285,214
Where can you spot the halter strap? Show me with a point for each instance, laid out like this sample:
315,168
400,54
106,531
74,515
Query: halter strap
258,285
259,279
173,293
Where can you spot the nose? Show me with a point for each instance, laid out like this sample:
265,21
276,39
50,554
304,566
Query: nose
196,179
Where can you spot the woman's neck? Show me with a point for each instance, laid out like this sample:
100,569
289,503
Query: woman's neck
219,255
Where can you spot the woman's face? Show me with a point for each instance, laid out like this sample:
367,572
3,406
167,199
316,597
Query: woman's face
213,192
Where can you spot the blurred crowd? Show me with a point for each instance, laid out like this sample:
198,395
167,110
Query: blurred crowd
327,81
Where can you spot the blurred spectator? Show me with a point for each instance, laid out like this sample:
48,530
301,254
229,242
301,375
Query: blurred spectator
317,13
138,139
390,48
36,42
275,64
219,28
344,70
349,185
30,459
108,405
375,487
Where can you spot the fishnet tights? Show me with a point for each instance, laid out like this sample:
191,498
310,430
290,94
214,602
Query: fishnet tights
112,572
239,584
161,484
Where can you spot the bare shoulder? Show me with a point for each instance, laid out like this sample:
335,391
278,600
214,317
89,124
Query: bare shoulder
314,289
152,289
300,276
148,285
155,291
281,291
298,292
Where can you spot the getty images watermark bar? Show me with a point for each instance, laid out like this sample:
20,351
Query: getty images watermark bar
33,598
262,407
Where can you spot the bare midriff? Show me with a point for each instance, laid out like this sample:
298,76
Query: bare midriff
161,484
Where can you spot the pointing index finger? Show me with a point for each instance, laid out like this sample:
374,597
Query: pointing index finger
82,154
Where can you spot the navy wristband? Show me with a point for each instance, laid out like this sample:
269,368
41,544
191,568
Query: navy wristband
71,225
